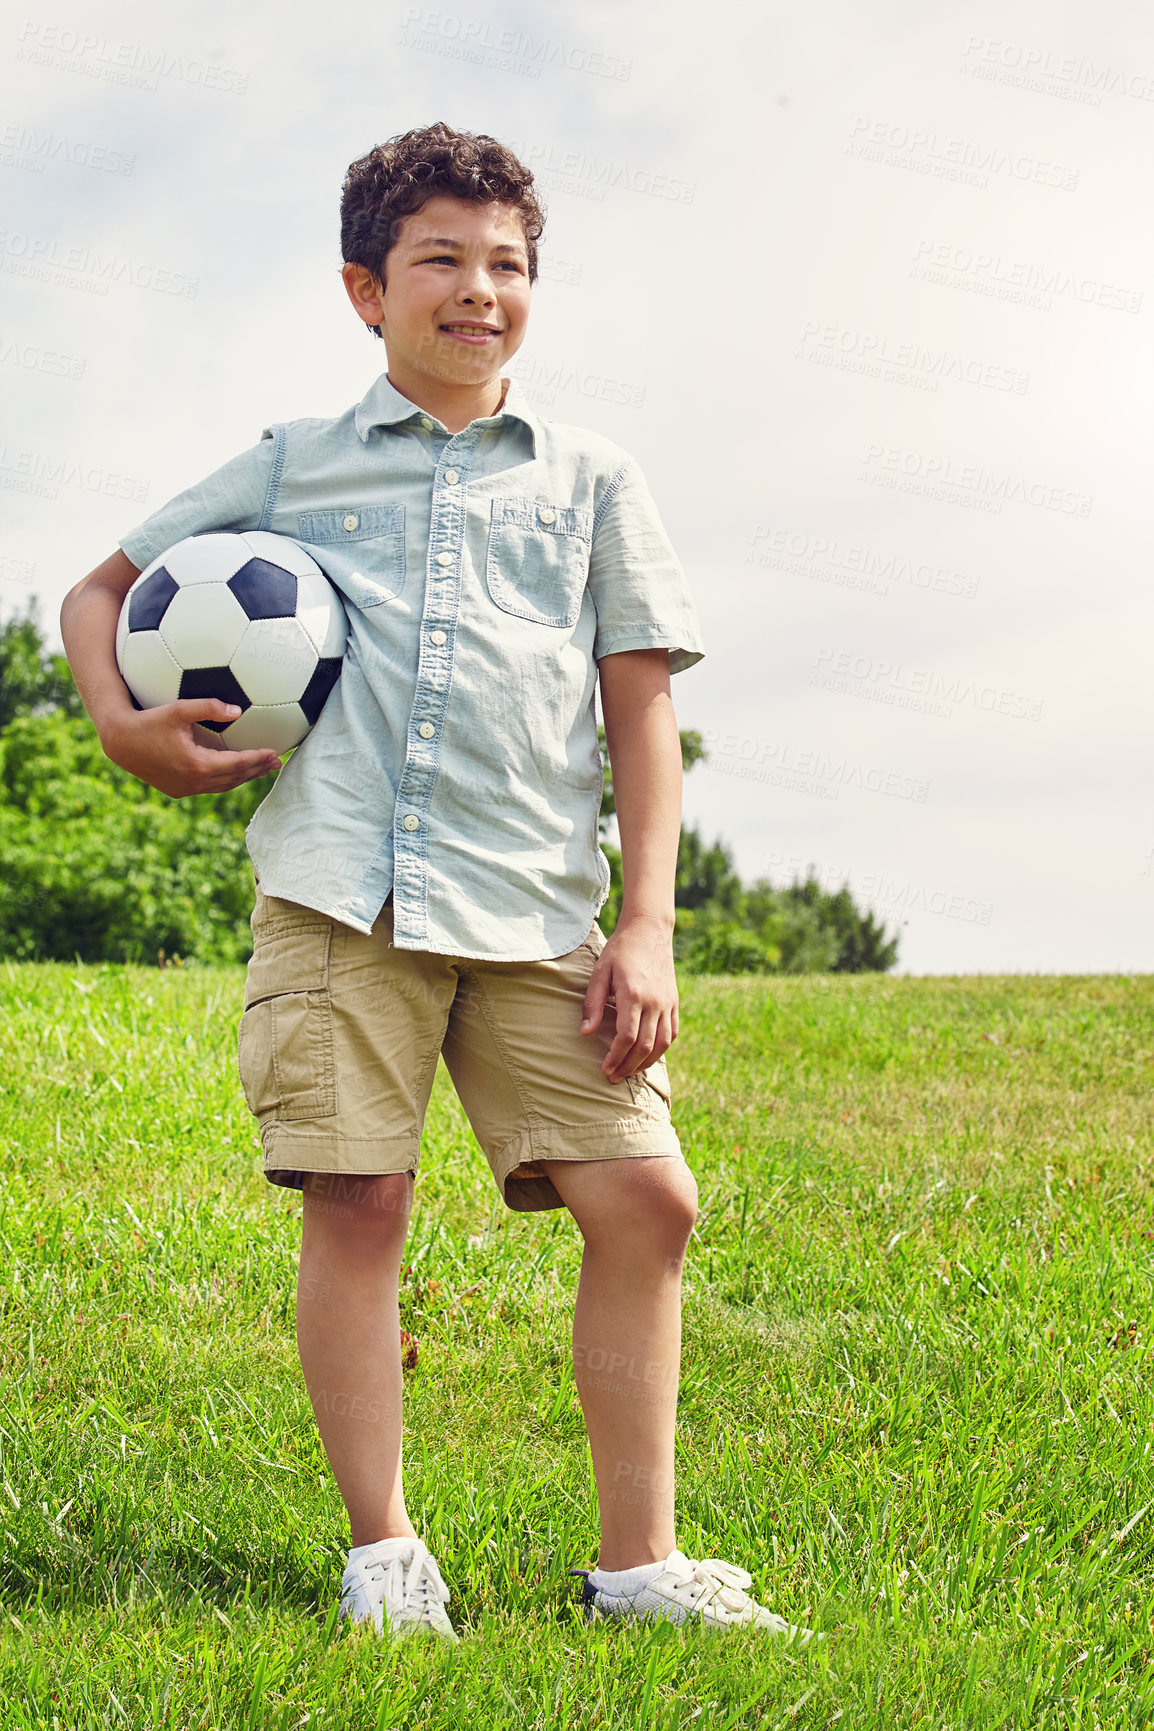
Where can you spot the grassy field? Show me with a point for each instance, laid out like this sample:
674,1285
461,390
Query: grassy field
916,1398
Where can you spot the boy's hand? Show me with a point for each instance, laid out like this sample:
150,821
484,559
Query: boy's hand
636,970
165,747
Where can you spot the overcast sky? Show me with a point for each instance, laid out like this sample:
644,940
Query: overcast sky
867,289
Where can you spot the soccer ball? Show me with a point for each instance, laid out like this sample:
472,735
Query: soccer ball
251,619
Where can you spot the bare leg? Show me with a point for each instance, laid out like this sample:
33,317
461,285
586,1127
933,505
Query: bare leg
635,1216
348,1332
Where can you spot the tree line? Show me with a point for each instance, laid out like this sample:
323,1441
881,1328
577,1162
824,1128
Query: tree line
98,866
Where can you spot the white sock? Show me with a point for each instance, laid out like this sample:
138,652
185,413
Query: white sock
616,1582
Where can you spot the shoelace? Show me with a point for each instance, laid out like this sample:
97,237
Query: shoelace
724,1581
412,1577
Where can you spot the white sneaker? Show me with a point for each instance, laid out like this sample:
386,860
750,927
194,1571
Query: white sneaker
397,1586
711,1590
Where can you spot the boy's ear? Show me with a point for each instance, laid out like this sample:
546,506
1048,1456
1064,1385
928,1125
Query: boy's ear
365,292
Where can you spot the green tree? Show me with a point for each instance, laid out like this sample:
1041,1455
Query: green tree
862,945
93,863
31,680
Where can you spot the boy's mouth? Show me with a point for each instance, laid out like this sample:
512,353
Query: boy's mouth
471,333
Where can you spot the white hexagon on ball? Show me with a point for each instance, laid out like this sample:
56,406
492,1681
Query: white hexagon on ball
148,669
276,729
275,660
207,558
203,625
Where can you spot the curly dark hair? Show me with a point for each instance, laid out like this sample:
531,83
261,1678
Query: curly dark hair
398,177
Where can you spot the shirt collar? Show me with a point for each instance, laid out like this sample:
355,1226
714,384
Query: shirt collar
383,406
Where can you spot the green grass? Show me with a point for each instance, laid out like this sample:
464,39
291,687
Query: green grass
916,1397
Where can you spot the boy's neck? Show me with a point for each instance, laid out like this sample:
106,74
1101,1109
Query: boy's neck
453,405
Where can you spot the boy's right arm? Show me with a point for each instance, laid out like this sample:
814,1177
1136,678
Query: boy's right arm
162,746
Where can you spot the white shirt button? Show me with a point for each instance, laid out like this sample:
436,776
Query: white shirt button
411,822
452,477
426,730
548,516
351,522
437,637
426,423
444,558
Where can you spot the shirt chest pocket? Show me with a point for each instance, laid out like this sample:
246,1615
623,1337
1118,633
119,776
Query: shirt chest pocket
538,559
360,548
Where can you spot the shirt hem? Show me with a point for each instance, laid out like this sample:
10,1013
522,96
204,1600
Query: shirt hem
128,543
505,955
285,892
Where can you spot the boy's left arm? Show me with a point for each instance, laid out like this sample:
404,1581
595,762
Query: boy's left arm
636,966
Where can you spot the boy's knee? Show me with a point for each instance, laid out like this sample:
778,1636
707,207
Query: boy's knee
682,1206
657,1199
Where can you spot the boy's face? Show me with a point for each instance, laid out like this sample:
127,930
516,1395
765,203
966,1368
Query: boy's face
456,299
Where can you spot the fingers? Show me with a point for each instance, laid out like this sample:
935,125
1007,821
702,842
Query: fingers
656,1032
216,765
635,1045
205,709
222,760
596,994
207,765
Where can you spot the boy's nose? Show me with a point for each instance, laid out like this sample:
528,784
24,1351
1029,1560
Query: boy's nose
477,285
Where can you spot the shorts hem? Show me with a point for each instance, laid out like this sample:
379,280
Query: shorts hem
289,1155
534,1192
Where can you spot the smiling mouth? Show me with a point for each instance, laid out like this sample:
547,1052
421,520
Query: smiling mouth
472,330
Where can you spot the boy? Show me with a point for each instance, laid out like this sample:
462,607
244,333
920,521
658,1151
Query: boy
426,865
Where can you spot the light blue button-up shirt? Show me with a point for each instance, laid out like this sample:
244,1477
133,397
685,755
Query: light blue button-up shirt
484,573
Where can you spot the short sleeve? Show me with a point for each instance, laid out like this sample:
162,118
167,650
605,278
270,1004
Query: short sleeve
635,577
232,497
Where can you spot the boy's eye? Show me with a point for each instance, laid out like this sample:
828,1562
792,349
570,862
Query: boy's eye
444,258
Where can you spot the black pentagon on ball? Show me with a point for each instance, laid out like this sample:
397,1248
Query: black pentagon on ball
265,591
312,699
148,603
213,682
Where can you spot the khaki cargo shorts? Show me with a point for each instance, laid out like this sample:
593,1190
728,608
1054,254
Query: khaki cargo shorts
340,1036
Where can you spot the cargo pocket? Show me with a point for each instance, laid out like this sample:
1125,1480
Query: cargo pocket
285,1050
650,1088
